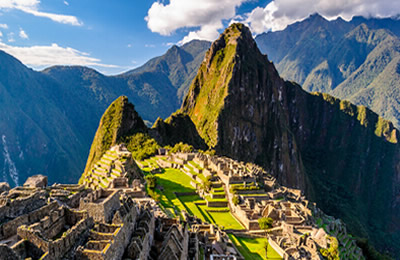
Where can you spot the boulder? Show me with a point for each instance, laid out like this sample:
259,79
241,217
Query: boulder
36,181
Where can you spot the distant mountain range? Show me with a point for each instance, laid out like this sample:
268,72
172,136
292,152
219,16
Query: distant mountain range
358,60
48,118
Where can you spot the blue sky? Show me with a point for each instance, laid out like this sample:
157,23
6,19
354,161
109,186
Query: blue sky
115,36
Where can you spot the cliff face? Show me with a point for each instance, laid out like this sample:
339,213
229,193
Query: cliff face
345,157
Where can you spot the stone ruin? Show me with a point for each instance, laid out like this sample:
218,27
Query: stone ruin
295,233
117,221
115,169
66,221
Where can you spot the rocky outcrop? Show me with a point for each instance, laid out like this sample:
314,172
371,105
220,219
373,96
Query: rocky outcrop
36,181
4,186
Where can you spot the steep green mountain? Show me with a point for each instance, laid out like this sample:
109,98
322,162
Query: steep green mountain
345,157
48,118
345,59
119,120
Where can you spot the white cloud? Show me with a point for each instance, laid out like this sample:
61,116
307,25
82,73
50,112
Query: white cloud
205,17
23,34
66,3
149,46
1,34
167,43
44,56
10,37
279,13
31,7
3,26
129,45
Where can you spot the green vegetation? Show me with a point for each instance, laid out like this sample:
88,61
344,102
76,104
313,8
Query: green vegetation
235,200
369,251
383,128
332,252
106,134
265,223
151,181
172,182
181,147
207,184
234,188
254,248
221,217
141,145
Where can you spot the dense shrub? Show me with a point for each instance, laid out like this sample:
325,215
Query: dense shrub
141,145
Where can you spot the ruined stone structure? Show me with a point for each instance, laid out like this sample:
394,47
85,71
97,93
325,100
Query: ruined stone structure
76,222
115,169
295,233
86,221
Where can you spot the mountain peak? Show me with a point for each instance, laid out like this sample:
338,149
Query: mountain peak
235,47
119,120
235,34
316,16
231,102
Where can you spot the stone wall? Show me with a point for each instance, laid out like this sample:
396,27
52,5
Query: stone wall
25,249
9,228
102,205
41,233
217,204
21,204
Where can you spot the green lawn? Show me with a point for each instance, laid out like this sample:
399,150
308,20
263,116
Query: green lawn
173,180
191,207
253,248
222,219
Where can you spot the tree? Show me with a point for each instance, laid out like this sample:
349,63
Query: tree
266,249
265,223
207,185
235,200
151,181
332,252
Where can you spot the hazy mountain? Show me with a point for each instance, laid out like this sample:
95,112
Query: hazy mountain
351,60
48,118
37,135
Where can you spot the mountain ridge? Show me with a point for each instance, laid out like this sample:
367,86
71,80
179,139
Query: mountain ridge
51,116
344,59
